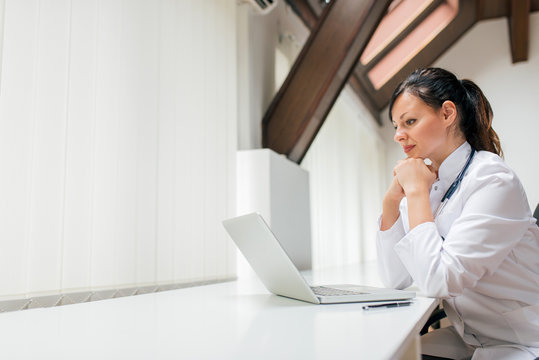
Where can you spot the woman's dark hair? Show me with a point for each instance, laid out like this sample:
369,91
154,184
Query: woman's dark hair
435,85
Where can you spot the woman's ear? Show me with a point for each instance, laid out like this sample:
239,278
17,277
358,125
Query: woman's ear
449,112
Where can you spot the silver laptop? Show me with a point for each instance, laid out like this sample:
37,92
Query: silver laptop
266,256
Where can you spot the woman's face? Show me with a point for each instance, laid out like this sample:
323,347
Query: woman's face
420,129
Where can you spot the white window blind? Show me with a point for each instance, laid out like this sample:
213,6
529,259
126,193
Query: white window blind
117,143
345,163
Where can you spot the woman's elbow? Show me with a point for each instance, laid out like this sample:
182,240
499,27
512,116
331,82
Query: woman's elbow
438,289
396,282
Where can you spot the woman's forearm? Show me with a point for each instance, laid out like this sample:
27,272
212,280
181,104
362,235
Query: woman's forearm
419,210
390,213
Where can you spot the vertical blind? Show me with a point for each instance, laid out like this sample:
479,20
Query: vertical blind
117,143
346,169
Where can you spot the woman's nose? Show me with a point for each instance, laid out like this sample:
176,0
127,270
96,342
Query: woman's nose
400,134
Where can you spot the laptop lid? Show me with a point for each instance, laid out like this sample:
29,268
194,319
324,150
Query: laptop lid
267,257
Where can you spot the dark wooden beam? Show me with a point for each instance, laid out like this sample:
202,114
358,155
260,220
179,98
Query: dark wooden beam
491,9
308,15
519,29
319,74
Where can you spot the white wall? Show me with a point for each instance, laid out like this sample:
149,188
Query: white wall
483,55
117,143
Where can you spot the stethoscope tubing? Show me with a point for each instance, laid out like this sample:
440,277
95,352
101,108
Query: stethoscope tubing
455,184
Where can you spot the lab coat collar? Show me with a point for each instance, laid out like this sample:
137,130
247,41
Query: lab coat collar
453,164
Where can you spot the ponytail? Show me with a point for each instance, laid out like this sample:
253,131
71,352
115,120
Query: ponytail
435,85
477,125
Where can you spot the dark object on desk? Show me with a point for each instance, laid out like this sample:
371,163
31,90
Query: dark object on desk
430,357
387,305
536,213
434,320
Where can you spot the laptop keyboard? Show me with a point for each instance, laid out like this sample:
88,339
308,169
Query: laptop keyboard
326,291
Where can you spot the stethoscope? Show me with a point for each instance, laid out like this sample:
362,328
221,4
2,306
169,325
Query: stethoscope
455,184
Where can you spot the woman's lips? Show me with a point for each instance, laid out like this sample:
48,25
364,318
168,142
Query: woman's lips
408,148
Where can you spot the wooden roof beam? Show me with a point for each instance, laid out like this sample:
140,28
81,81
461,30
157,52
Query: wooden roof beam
308,15
319,74
519,29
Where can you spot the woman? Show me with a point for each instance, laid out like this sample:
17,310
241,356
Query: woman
460,228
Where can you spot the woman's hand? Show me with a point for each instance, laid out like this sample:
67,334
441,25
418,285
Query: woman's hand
395,192
414,176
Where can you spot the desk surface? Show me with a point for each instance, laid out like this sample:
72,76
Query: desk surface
235,320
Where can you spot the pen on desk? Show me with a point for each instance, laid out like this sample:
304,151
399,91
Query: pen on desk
387,305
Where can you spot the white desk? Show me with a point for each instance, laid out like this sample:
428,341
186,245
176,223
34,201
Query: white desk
235,320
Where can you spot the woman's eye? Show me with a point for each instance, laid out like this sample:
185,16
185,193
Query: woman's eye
410,122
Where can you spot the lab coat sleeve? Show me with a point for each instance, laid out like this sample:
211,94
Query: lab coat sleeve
390,268
494,218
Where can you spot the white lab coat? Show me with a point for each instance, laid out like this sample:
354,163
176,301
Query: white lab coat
487,268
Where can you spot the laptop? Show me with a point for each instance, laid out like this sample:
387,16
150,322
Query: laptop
280,276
